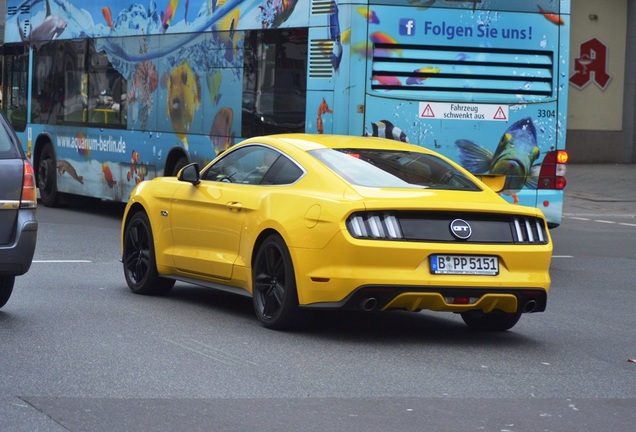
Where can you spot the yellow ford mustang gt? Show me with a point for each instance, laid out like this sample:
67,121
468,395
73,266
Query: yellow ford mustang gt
304,222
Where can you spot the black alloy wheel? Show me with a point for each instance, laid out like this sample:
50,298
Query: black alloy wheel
140,266
274,286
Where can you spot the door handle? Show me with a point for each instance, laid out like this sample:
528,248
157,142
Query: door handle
234,206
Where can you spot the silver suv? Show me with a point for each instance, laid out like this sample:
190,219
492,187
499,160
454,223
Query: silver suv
18,219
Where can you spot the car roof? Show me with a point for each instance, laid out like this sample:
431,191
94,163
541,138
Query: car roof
307,142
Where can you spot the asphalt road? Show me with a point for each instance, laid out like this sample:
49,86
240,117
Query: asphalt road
81,353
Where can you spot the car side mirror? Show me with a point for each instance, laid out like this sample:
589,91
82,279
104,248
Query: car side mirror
190,174
496,182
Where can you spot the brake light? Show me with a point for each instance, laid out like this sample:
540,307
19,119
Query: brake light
29,191
552,174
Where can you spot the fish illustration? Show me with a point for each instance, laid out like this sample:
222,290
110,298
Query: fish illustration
514,157
423,74
386,129
183,99
221,135
166,17
145,81
226,28
142,172
368,14
64,167
334,35
346,36
108,16
365,49
381,37
229,21
362,49
387,80
213,81
108,175
552,17
323,108
49,29
134,162
276,12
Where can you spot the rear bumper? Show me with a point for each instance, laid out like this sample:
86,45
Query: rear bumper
16,257
385,275
387,297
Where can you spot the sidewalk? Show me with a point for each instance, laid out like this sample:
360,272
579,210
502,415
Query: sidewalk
600,190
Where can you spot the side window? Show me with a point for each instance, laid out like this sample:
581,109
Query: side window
104,91
69,89
246,165
14,90
284,171
58,77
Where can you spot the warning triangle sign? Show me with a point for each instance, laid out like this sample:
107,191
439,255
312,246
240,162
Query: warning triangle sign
428,112
500,115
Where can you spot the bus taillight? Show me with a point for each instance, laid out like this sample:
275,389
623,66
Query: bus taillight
552,175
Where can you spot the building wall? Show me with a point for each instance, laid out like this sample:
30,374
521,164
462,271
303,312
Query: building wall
600,103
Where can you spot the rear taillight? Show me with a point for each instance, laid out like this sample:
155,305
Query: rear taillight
552,174
29,191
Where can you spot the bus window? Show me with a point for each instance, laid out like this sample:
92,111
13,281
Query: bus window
106,92
68,89
57,81
14,90
274,81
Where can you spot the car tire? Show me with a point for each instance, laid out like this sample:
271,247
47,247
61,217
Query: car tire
492,322
6,288
274,286
140,265
47,177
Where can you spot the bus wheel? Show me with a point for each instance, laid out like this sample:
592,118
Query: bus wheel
47,177
181,162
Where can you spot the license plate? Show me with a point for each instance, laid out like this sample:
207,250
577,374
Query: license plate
464,264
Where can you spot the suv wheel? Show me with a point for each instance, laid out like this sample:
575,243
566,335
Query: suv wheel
6,288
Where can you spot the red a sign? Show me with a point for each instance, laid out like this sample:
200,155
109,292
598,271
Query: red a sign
591,65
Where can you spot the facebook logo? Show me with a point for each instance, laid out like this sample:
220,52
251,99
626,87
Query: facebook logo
407,27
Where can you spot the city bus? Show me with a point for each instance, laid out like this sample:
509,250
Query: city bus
106,95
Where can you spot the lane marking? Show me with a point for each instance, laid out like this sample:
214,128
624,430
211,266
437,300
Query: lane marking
603,221
62,261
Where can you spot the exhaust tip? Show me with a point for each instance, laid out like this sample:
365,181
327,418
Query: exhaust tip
369,304
530,306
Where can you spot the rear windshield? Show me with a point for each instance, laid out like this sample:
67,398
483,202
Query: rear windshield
393,169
